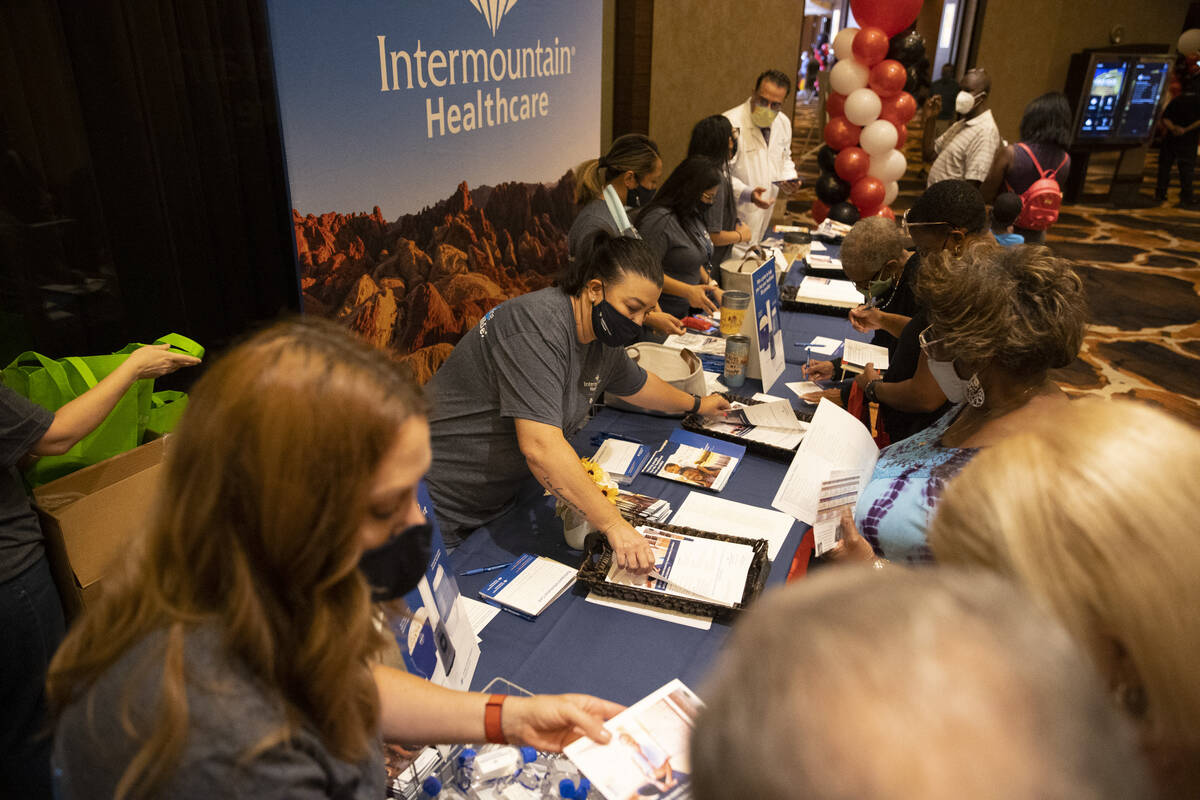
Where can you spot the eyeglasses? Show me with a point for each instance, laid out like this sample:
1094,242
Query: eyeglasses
759,100
708,197
905,224
931,347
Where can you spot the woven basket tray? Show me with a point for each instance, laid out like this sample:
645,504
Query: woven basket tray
695,424
598,555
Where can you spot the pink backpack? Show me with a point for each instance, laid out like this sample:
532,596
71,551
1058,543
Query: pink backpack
1041,201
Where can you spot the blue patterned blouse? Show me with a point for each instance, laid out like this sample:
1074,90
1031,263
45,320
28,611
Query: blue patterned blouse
897,505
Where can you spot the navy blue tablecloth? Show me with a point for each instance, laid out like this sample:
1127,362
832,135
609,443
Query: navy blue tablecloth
582,647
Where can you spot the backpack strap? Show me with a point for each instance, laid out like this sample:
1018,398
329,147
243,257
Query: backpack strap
1044,173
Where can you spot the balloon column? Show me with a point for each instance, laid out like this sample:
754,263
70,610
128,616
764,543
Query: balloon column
861,162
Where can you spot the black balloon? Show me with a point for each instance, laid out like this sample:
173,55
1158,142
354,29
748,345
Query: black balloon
907,48
831,189
826,157
845,213
913,84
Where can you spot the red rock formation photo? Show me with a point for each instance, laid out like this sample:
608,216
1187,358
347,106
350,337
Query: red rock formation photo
416,285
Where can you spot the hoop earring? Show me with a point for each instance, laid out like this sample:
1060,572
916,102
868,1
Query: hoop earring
975,394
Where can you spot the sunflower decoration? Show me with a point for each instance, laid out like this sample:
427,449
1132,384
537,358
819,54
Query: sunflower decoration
594,470
607,487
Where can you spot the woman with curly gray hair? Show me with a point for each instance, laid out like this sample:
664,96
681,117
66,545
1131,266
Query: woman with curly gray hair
1001,318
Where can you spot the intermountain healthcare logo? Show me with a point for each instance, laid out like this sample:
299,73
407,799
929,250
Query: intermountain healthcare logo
493,11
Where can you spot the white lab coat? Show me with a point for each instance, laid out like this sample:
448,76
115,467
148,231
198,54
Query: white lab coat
758,164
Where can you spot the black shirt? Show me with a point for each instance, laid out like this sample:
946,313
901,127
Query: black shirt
902,299
902,366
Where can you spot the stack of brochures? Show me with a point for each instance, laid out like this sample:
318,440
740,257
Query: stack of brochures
529,585
696,460
640,505
828,292
622,459
691,567
773,423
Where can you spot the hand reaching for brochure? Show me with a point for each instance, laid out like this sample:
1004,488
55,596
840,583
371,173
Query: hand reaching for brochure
866,319
631,550
757,197
550,722
713,404
818,370
853,548
662,322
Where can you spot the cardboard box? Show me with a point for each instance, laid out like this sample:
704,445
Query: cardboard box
90,519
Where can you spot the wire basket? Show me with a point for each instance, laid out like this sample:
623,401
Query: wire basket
695,424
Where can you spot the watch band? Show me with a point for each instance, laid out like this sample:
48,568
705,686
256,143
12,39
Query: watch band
491,719
696,400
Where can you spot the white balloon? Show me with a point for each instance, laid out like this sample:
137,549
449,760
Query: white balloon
878,138
889,192
843,44
1189,42
848,75
888,168
863,106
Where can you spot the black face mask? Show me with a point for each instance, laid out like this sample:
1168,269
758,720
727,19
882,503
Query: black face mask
396,567
612,327
733,150
639,196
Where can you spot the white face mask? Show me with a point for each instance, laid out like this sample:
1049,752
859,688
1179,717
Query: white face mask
954,387
964,102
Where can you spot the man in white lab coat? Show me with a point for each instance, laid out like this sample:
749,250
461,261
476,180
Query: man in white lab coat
764,154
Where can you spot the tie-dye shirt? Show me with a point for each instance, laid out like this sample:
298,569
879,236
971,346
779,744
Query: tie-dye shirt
897,505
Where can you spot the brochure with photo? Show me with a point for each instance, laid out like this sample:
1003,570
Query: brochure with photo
696,460
647,756
693,567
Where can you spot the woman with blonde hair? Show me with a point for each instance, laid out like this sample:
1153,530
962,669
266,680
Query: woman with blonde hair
1093,510
1000,319
237,654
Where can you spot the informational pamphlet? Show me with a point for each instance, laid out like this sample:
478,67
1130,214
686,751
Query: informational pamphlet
652,508
772,423
836,440
858,354
697,460
698,343
767,362
621,459
838,494
648,753
692,567
529,585
828,292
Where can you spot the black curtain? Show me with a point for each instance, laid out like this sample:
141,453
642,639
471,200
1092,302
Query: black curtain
143,183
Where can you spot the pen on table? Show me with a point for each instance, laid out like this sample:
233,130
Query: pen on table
482,570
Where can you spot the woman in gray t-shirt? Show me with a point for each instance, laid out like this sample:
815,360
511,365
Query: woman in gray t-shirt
676,228
521,382
237,654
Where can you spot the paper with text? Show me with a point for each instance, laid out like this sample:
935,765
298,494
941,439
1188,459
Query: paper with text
707,513
694,567
838,493
859,354
835,440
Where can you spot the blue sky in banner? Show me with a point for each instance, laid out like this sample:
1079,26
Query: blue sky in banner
351,146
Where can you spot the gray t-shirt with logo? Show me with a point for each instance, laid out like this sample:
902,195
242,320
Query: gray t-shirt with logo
522,361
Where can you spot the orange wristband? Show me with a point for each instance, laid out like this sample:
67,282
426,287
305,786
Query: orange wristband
491,719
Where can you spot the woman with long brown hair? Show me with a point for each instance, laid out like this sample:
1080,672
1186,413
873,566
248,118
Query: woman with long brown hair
235,656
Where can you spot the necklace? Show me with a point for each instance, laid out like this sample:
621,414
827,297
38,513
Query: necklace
895,288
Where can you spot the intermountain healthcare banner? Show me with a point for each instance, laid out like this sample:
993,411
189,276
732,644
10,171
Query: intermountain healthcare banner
429,148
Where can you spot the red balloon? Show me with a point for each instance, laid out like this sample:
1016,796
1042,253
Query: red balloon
840,133
884,211
898,108
870,46
892,16
867,195
851,164
901,133
887,77
836,105
819,211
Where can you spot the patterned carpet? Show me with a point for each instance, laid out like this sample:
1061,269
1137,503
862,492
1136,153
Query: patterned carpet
1141,268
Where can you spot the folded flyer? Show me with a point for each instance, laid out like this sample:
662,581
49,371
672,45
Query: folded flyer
692,567
529,585
696,460
648,753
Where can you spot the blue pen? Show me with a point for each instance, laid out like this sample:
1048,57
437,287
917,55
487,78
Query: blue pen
482,570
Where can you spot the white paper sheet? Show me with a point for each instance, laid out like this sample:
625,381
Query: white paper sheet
479,613
777,413
859,354
678,617
696,342
802,388
707,569
615,456
823,345
707,513
823,261
837,494
713,382
835,440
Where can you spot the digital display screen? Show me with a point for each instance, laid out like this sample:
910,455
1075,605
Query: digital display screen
1100,111
1148,80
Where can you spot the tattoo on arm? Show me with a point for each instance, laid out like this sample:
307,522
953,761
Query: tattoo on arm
558,493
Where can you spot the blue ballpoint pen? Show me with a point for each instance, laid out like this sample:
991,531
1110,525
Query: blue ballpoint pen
482,570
